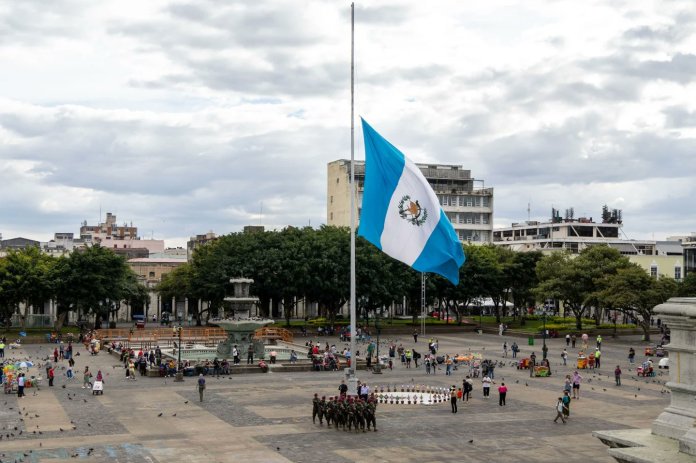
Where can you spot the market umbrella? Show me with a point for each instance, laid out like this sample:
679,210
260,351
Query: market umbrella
22,333
24,364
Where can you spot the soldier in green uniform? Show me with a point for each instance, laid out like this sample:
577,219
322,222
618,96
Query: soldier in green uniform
322,411
360,415
371,412
315,408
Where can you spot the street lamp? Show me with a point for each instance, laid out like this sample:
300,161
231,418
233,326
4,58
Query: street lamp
179,371
544,349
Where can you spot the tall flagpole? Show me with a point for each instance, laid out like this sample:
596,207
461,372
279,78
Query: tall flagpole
352,379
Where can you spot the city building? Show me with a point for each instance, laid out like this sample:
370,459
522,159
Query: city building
689,246
18,243
198,240
657,258
465,200
108,230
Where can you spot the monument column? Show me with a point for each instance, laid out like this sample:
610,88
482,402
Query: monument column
679,314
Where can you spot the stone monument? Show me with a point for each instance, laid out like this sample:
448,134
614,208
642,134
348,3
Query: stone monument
240,326
673,435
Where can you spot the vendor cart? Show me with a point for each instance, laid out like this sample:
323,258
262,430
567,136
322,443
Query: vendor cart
98,388
541,372
582,362
9,386
524,364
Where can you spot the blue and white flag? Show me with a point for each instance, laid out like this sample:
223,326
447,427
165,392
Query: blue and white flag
401,214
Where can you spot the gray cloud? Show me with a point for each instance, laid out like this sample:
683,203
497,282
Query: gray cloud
679,117
35,22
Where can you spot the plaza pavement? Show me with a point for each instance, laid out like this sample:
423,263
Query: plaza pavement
267,417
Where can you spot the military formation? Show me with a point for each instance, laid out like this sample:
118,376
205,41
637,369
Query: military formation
346,412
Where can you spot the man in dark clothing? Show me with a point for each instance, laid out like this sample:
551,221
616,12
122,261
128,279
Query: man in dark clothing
201,386
250,354
343,389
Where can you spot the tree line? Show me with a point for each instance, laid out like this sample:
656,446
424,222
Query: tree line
313,265
90,281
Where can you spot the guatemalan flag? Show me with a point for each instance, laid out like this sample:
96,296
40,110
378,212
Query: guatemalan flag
401,214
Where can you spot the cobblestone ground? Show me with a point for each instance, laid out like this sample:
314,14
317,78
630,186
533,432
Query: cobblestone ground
267,418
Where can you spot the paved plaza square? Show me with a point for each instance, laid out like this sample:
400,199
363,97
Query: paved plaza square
267,417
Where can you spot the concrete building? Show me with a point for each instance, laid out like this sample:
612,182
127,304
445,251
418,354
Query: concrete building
570,234
466,202
108,230
198,240
689,245
18,243
657,258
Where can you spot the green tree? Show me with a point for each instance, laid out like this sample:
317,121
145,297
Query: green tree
687,287
328,269
27,279
523,279
577,281
632,290
94,281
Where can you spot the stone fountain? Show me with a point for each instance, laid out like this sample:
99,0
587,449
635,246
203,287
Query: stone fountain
240,326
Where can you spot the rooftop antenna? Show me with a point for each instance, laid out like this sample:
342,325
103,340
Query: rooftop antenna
529,211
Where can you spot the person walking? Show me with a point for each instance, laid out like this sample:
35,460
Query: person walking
250,354
568,340
532,364
86,378
467,386
577,379
415,336
502,393
566,402
597,356
201,386
572,340
20,385
564,357
515,348
599,341
559,411
453,399
505,348
617,375
486,387
631,355
51,375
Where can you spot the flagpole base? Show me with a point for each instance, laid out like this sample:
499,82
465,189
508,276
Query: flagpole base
351,381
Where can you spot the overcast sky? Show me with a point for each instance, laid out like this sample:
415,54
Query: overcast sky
185,117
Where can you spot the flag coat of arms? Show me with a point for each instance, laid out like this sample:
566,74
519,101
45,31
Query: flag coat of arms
401,214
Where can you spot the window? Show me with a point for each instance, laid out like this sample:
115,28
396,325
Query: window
337,180
653,271
677,273
331,215
151,274
485,201
331,200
